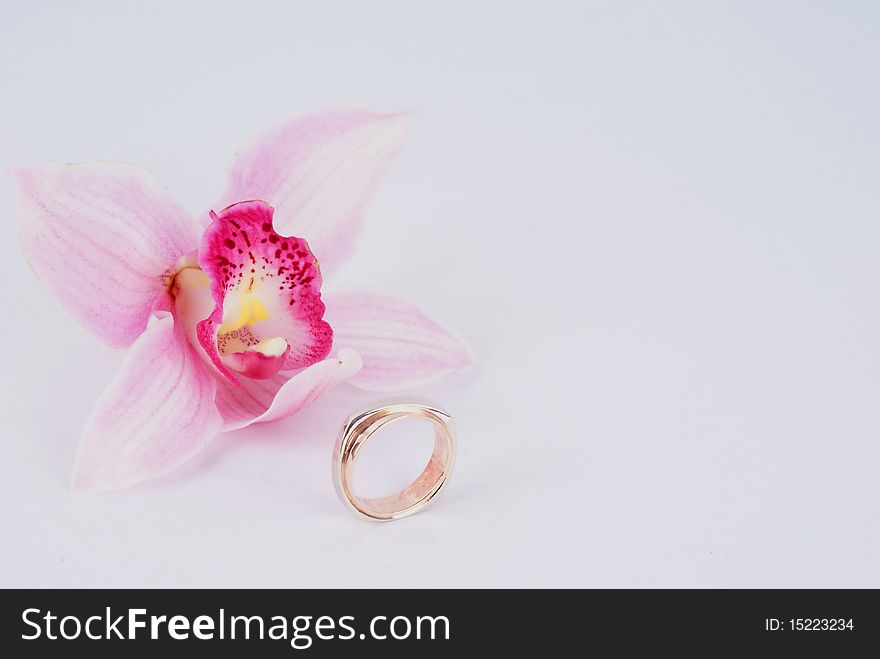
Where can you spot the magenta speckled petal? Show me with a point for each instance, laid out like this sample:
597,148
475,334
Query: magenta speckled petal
100,236
401,347
265,286
320,172
157,412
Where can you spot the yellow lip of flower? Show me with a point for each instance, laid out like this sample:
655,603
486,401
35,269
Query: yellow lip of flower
241,309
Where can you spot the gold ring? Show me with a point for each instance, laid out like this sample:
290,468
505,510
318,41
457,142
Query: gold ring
415,497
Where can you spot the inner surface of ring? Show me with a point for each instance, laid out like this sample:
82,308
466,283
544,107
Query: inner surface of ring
426,484
421,487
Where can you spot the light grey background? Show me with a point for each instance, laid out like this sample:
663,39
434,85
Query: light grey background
657,224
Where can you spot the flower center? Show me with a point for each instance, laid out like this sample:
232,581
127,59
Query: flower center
240,342
241,309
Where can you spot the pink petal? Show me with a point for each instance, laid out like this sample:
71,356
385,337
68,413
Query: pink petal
257,401
243,255
157,412
319,172
400,346
101,236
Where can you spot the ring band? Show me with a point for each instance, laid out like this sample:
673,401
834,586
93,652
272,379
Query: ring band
415,497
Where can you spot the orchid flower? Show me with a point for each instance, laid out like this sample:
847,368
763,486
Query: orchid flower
223,315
